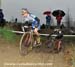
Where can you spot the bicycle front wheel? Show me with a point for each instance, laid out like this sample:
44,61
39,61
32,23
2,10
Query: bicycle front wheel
26,43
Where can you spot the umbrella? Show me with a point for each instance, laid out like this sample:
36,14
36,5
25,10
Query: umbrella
47,12
57,12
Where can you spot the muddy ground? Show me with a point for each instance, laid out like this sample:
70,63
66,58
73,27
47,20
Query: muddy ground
11,57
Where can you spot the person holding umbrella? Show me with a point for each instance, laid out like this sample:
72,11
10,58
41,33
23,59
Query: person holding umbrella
48,18
58,18
59,14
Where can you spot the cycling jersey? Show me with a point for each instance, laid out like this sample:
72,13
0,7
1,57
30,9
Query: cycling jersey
32,18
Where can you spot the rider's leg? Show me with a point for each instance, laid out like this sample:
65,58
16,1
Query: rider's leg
59,45
38,40
34,43
36,37
56,44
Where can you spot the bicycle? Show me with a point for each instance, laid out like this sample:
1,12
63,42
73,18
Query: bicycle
54,42
26,42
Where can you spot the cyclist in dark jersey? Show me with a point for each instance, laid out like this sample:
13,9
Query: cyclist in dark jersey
58,39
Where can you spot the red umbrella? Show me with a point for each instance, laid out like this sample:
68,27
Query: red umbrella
47,12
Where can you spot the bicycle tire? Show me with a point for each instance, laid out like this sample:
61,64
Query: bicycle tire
24,45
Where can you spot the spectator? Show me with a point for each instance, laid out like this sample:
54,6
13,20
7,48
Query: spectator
48,20
16,20
58,18
2,20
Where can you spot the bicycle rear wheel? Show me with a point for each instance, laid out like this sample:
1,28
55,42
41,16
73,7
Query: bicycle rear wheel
26,43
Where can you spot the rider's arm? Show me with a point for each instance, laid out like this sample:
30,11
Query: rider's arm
34,24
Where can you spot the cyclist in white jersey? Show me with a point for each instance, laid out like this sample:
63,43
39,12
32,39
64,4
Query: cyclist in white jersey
35,24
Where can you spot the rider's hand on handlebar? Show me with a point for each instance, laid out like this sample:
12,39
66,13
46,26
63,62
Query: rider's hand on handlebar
36,30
